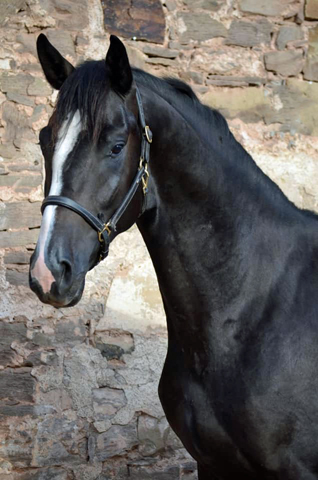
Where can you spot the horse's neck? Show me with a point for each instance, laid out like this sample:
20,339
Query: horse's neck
200,216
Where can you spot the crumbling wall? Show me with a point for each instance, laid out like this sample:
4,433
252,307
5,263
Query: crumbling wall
78,386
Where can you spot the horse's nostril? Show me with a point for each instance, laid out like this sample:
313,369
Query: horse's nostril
66,272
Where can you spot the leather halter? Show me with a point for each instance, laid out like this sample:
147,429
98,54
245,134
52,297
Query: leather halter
105,229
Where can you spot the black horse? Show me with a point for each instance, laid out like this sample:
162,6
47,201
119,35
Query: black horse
237,263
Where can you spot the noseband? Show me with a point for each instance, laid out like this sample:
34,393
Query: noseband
105,229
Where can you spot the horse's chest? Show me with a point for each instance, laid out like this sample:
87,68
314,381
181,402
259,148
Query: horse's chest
190,412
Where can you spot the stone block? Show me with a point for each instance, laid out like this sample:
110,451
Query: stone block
198,27
249,34
62,41
107,402
143,19
156,51
265,7
166,62
17,257
19,238
141,472
152,434
9,333
17,277
287,63
54,473
249,104
288,33
20,99
8,8
70,332
113,344
16,385
15,83
228,81
70,15
39,87
211,5
296,96
311,10
118,440
311,65
236,61
20,215
16,181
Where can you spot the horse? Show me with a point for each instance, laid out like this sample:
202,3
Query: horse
236,261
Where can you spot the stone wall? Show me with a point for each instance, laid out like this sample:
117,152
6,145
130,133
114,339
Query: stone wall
78,387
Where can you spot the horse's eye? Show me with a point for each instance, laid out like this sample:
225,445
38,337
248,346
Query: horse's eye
117,148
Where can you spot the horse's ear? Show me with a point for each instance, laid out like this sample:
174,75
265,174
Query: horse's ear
55,67
118,65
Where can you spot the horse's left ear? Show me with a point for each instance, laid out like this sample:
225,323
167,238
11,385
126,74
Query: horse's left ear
119,68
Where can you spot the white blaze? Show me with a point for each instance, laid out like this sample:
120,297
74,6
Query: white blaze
66,141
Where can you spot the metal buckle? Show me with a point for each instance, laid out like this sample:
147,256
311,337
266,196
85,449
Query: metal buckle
148,134
145,179
107,228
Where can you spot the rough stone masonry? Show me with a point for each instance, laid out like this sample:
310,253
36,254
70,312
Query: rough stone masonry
78,387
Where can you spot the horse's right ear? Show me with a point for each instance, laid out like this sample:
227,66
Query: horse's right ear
118,66
55,67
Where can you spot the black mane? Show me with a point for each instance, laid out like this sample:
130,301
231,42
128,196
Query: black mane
84,90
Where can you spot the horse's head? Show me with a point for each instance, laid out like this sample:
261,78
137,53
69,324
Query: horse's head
91,148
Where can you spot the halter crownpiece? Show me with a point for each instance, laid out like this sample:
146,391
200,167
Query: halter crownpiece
104,230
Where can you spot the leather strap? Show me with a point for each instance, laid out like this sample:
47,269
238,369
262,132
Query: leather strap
104,229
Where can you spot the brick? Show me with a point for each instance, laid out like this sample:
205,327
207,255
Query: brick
249,34
199,26
287,63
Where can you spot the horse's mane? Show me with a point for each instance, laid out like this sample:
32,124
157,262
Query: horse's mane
85,91
205,120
